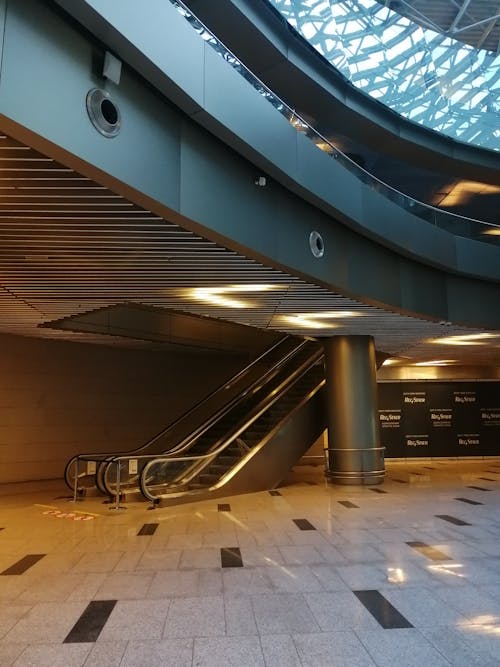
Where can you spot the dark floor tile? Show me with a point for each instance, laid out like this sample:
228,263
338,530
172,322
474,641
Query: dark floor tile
347,503
478,488
429,552
304,524
468,500
417,473
377,490
429,467
24,564
224,507
2,528
401,481
274,493
148,529
452,519
231,557
487,479
382,610
88,627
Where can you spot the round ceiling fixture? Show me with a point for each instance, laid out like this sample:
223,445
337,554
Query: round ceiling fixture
104,114
316,244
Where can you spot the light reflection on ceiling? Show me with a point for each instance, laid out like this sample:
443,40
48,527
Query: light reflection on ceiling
219,295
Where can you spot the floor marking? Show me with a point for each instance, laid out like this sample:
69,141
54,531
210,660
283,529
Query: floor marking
303,524
231,557
24,564
75,516
382,610
347,503
429,552
469,501
452,519
148,529
90,624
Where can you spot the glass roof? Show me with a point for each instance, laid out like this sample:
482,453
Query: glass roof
425,76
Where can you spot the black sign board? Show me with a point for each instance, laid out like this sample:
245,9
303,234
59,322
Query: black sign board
439,418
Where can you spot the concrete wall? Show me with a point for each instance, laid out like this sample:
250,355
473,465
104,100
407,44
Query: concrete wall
60,398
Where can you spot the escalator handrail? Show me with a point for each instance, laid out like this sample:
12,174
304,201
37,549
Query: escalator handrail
219,414
102,456
188,441
252,389
264,405
226,476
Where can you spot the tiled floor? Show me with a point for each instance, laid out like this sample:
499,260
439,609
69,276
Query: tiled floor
318,575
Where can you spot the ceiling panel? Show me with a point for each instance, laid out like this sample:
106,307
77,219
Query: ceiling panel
69,246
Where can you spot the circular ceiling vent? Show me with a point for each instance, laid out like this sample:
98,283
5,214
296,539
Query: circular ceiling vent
316,244
103,112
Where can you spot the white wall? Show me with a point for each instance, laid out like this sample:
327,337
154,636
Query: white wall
61,398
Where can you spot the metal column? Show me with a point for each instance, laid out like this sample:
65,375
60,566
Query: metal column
355,454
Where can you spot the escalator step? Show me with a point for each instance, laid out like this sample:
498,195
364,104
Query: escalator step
228,460
217,469
207,478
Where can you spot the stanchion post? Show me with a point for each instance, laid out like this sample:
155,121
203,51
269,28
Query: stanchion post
75,485
117,505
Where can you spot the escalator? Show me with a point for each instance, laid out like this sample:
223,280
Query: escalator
258,449
213,438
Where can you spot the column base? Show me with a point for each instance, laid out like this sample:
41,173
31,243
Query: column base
355,478
359,466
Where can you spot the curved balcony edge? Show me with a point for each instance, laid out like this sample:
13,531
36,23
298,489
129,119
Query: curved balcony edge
296,72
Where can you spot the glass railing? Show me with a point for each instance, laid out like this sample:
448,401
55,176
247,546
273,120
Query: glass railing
455,224
423,75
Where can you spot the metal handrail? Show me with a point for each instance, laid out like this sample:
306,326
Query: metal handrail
259,410
224,386
302,125
104,457
229,474
204,427
188,440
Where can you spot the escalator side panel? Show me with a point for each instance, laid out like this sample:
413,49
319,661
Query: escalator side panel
269,464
